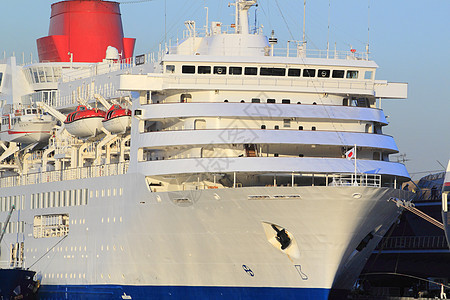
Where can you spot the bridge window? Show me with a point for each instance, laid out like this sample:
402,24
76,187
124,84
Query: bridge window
220,70
272,72
170,69
338,74
294,72
352,74
204,70
368,75
188,69
235,70
251,71
324,73
309,73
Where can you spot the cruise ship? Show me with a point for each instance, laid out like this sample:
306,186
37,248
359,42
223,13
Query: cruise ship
221,167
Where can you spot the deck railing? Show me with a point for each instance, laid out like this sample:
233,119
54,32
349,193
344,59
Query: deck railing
62,175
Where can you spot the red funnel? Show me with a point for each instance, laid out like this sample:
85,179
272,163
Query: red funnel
84,28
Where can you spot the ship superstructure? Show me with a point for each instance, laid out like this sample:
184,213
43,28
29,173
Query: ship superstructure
226,175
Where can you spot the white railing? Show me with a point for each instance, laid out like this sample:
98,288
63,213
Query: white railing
107,67
63,175
314,83
372,180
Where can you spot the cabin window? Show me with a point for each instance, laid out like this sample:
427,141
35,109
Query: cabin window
235,70
200,124
345,102
376,156
338,74
271,101
286,101
170,69
256,100
1,77
352,74
276,127
309,72
188,69
313,128
263,126
368,75
286,123
272,71
204,70
294,72
323,73
220,70
363,102
300,127
242,101
185,98
250,71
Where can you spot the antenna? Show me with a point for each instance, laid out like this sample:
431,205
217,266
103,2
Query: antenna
207,25
304,21
328,33
368,28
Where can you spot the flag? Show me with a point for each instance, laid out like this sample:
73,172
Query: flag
350,153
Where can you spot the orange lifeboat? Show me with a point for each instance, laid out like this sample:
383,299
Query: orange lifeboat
117,119
84,122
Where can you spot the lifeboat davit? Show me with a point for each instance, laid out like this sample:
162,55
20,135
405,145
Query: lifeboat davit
84,122
117,119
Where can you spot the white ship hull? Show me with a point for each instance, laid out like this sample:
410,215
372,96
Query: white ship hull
204,240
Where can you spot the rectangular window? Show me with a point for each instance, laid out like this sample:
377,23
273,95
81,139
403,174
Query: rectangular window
170,69
286,123
188,69
271,101
323,73
235,70
294,72
309,72
220,70
1,77
286,101
352,74
272,71
250,71
338,74
256,100
368,75
204,70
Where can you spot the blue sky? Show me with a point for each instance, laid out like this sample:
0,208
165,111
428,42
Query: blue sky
409,40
